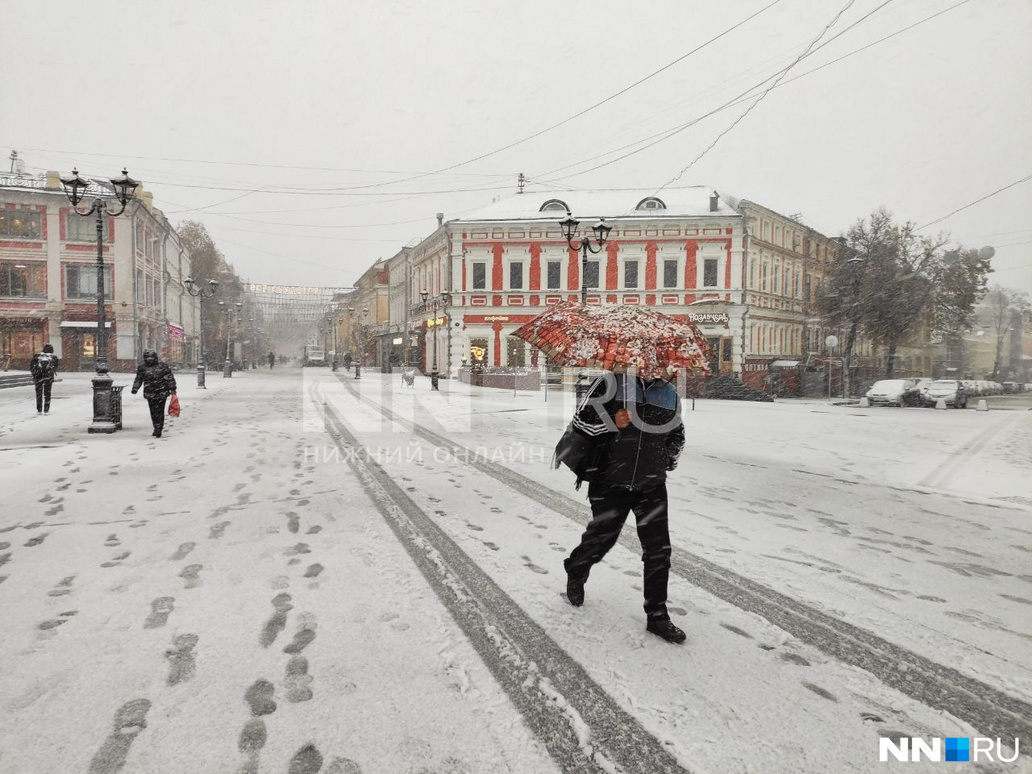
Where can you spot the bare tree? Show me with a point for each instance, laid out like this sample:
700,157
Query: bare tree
1002,307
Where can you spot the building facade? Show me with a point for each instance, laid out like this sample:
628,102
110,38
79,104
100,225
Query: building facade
48,278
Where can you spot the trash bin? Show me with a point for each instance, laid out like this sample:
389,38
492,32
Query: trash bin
116,406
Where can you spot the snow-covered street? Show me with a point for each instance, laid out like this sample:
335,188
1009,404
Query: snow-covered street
313,573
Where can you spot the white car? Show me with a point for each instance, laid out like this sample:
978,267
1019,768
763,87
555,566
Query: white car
889,392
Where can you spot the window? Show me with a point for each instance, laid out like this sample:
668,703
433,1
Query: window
709,277
477,351
479,276
630,274
555,274
22,280
670,274
763,277
80,229
651,203
27,224
516,275
554,205
591,275
726,350
81,282
516,356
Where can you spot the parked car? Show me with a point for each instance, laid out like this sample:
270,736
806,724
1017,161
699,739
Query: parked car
949,390
914,396
890,392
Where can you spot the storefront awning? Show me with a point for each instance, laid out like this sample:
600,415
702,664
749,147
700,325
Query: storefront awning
784,364
77,324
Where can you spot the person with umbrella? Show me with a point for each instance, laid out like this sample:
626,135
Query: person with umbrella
633,414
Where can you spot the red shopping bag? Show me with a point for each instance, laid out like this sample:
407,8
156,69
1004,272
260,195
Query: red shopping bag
173,406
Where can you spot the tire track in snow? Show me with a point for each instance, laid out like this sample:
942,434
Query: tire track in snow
581,726
990,711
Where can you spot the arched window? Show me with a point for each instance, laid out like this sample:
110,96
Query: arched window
651,203
554,205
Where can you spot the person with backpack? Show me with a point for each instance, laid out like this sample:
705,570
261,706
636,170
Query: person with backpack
43,367
633,432
158,383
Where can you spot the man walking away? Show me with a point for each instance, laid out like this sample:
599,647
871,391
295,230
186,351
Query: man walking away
158,383
43,368
641,419
272,360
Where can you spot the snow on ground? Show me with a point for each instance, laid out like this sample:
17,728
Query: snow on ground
824,503
238,562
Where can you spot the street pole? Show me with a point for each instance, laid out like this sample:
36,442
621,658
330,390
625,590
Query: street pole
200,294
569,225
106,407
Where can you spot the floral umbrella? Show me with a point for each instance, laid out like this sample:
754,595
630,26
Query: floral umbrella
617,338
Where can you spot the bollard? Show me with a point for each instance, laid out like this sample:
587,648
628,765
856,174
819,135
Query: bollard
864,403
982,405
940,404
200,377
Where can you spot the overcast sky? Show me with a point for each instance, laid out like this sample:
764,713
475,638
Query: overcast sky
243,113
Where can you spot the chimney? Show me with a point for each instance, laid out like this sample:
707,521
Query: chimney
440,219
714,202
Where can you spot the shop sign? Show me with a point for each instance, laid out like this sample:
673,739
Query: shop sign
17,181
709,317
757,365
396,340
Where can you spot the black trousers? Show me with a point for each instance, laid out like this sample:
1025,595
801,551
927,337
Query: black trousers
157,412
609,508
43,389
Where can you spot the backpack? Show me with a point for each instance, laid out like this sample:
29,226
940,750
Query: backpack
44,366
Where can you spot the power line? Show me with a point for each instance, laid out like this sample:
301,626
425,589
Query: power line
976,201
781,75
741,98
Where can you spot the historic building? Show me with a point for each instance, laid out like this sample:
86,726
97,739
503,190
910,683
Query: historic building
48,278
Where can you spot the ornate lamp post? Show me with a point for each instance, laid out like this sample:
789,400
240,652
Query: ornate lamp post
104,409
359,333
200,294
227,369
569,226
441,301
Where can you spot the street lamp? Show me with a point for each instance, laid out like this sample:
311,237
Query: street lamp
227,369
569,226
104,410
441,301
200,294
359,334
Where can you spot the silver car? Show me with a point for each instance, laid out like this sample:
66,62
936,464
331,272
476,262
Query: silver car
949,390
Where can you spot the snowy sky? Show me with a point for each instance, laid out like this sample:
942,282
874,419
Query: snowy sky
247,114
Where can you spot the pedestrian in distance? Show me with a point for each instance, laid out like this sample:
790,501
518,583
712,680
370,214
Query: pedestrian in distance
272,360
636,424
43,368
158,383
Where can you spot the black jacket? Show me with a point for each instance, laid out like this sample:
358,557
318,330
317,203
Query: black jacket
157,380
640,455
36,369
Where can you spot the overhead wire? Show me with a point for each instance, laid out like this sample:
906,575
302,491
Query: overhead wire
976,201
759,99
740,99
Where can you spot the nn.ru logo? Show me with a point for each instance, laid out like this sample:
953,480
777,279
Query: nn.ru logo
951,749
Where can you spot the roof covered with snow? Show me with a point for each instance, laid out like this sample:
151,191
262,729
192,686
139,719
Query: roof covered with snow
690,201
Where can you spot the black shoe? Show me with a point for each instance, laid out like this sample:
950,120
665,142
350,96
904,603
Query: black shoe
156,434
575,590
664,628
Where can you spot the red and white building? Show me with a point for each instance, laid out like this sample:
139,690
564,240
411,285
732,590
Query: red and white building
48,278
748,276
